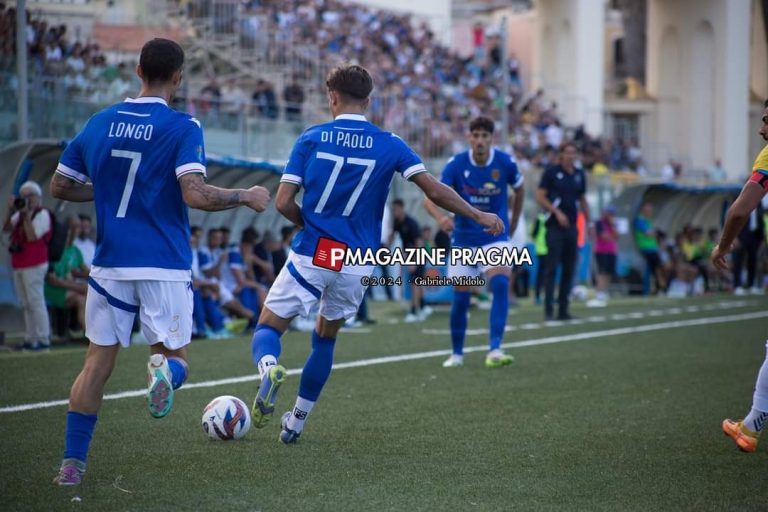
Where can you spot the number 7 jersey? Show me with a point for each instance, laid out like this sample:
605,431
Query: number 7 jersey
346,167
134,154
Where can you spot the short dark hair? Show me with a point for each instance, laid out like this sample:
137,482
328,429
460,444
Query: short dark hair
481,123
354,82
568,144
398,202
249,235
224,229
286,232
160,59
84,216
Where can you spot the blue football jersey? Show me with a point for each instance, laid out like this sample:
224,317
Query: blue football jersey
134,153
346,167
485,188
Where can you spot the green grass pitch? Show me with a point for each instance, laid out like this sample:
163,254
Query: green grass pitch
623,421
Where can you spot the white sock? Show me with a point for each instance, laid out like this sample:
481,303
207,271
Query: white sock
758,417
299,415
264,364
756,420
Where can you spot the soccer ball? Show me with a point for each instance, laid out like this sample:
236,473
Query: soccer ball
226,418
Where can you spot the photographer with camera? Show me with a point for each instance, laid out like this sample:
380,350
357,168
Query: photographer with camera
30,228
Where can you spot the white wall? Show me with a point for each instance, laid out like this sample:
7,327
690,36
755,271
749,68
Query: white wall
697,67
569,58
758,65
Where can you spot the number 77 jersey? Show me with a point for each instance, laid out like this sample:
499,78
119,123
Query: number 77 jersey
134,153
346,167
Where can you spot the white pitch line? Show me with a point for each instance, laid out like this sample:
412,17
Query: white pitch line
434,353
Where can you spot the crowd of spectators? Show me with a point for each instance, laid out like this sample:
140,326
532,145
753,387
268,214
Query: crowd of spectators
59,64
425,91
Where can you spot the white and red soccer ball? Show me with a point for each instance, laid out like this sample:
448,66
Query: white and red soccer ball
226,418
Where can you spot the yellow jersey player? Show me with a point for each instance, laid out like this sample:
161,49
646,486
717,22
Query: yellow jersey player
746,432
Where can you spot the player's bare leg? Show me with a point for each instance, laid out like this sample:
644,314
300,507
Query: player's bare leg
84,404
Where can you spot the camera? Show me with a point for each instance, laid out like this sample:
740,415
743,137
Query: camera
19,203
14,248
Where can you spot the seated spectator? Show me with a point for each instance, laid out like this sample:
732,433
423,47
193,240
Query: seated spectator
265,100
205,309
683,274
64,286
214,264
280,255
261,257
83,241
293,97
233,101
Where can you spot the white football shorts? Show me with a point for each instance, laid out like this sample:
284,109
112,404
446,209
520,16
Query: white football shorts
300,285
164,309
461,270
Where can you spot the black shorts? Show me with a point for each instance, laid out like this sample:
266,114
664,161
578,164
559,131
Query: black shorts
606,263
653,259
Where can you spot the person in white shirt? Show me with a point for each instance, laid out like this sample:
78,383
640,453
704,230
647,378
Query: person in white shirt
84,242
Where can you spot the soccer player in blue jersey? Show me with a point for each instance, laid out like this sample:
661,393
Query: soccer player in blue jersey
481,176
345,168
140,162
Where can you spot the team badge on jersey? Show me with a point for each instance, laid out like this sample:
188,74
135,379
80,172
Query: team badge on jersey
495,174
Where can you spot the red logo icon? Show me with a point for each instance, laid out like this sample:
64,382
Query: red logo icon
329,254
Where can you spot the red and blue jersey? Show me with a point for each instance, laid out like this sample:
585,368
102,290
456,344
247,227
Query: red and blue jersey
485,188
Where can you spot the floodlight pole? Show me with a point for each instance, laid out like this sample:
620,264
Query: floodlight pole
504,132
21,69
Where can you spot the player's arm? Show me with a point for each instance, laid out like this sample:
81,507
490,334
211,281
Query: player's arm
286,203
737,217
242,279
68,189
546,204
198,194
444,220
445,197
